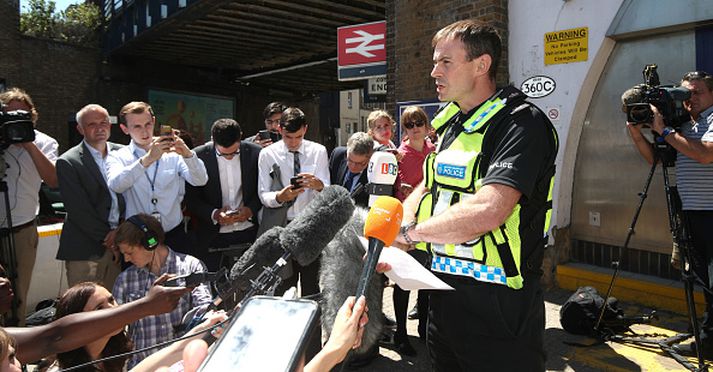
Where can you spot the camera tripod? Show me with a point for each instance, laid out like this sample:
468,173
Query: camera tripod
7,245
680,233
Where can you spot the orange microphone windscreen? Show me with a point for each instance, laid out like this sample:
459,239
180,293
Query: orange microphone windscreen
384,219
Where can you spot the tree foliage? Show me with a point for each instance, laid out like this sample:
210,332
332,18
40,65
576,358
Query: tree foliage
79,23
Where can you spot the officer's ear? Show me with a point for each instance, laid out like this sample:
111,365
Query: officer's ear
482,64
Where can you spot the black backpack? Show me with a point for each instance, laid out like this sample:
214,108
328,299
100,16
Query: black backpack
580,313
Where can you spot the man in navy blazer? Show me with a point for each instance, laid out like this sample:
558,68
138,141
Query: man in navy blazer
93,210
226,207
347,166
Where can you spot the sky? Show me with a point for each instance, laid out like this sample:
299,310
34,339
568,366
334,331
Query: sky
60,4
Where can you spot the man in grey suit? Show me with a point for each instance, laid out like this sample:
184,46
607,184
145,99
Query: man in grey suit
93,210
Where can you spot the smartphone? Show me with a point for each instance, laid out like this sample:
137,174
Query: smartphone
232,212
267,334
166,130
266,134
294,181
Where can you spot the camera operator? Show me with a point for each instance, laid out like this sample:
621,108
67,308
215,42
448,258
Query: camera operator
694,177
28,164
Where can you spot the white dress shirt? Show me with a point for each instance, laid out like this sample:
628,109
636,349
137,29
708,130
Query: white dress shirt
127,176
313,159
23,180
231,188
100,160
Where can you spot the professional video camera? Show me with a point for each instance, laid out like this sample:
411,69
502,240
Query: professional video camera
15,127
667,99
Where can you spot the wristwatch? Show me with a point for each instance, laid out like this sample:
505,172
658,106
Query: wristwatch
666,131
405,230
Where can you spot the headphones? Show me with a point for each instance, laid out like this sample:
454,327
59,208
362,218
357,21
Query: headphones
150,241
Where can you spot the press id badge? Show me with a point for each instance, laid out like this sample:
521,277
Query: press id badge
157,216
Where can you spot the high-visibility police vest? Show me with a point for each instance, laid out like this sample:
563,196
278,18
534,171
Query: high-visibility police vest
454,174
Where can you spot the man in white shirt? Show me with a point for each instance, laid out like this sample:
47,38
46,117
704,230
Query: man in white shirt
28,165
227,206
150,172
304,162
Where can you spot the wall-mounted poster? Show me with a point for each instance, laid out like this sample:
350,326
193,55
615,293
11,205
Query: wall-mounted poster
190,112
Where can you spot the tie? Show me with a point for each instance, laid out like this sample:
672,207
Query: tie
349,182
296,164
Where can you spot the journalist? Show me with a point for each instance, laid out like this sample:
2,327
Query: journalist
693,142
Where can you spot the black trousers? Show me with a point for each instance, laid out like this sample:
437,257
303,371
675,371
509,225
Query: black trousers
212,259
486,327
177,239
700,223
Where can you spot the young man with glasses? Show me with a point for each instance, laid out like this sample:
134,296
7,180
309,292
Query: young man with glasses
347,166
272,114
228,204
694,177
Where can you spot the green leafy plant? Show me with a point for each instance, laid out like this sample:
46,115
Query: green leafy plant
78,24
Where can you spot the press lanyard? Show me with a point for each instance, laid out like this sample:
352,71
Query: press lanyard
152,181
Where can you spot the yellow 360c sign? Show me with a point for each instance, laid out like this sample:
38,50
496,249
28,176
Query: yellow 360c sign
566,46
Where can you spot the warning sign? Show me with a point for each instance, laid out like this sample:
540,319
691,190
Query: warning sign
566,46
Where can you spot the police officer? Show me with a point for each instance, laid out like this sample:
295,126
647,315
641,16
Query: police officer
482,210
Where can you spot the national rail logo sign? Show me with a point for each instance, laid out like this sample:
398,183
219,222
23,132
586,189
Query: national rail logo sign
361,51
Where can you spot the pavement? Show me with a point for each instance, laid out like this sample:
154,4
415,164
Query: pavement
561,354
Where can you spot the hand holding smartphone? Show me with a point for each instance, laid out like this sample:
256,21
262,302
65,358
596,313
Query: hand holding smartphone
295,182
266,134
267,334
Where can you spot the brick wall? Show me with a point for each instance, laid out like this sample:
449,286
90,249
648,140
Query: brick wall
9,39
410,27
61,79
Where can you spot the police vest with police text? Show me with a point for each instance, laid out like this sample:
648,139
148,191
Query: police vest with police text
454,174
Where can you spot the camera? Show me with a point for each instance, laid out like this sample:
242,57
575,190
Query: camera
667,99
15,127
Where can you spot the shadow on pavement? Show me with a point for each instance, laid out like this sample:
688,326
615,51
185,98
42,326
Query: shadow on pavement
592,355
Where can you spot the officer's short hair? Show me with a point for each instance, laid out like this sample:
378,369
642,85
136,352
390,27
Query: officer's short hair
478,37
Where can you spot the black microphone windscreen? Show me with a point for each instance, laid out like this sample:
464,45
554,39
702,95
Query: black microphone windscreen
340,271
307,235
264,252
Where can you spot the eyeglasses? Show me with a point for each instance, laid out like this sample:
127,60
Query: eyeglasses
226,155
357,164
417,123
693,75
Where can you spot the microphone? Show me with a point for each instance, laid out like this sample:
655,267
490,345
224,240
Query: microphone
303,239
381,174
307,235
381,227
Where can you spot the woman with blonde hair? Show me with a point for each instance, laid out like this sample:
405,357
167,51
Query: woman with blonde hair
381,126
